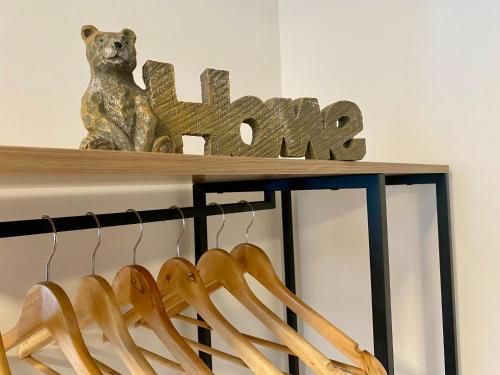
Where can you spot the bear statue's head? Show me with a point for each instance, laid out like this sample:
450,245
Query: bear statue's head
110,51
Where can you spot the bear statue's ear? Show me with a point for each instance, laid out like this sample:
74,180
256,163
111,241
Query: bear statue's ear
130,34
87,31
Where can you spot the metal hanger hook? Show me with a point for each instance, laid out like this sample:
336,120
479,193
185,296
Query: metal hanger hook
98,226
251,221
178,246
222,224
54,247
134,251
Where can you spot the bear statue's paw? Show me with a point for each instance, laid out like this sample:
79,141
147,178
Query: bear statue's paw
96,142
163,144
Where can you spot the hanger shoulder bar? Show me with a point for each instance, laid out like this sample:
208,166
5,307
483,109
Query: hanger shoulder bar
162,360
40,366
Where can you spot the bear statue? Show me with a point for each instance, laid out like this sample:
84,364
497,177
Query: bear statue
115,111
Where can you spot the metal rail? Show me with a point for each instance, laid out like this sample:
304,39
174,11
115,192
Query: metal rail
72,223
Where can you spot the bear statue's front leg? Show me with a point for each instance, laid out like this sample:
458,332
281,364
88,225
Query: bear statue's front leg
97,141
145,125
103,132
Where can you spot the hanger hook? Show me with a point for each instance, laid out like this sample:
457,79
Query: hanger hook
177,246
98,225
222,224
134,251
54,247
251,221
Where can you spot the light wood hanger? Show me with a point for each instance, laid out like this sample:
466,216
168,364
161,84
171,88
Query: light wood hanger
254,260
218,268
96,302
135,286
47,306
4,365
174,305
179,277
146,301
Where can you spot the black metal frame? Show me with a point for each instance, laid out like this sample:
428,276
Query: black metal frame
375,186
441,182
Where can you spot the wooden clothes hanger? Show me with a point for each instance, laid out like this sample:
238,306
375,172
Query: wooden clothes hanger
4,365
254,260
135,286
179,277
96,302
47,306
218,268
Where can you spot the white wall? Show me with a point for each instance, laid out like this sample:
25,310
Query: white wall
43,74
425,76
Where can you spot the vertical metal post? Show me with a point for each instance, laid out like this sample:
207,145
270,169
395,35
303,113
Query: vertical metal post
379,271
289,262
200,246
446,271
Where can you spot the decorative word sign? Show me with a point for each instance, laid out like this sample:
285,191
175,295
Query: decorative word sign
119,115
285,127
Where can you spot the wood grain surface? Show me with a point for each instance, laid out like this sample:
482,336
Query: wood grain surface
50,166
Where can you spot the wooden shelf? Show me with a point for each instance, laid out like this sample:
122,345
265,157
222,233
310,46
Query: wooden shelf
50,166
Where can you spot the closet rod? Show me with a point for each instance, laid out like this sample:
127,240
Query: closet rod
71,223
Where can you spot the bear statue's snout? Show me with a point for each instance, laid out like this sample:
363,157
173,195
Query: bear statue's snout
118,45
